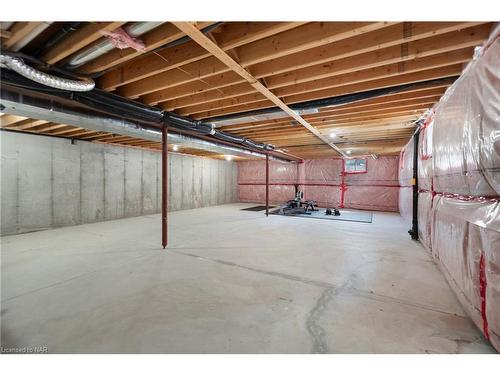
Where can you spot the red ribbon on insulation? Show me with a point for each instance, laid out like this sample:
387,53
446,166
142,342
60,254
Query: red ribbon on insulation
482,293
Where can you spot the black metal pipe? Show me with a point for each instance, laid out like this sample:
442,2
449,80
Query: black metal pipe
96,99
117,106
67,28
186,123
414,228
254,144
337,100
229,137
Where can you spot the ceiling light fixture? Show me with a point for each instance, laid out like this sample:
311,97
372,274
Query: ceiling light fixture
348,152
333,135
228,157
175,148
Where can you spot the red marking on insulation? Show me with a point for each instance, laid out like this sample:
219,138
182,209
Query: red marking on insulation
343,187
308,184
469,198
482,293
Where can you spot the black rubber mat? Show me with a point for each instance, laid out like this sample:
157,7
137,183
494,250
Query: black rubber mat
345,215
256,208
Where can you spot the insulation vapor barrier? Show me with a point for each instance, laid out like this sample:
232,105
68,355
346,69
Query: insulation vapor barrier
466,246
377,189
323,180
405,181
466,132
252,181
459,187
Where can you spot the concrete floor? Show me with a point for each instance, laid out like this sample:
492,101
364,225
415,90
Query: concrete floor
230,282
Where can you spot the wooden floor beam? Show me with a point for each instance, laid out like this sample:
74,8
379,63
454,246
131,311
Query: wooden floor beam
189,29
189,52
78,39
427,36
438,45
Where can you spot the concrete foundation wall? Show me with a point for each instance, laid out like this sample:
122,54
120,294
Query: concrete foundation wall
48,182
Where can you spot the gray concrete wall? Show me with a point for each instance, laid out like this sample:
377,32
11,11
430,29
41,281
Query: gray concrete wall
48,182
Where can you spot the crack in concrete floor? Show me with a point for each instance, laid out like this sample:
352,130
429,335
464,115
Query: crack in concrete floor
316,331
314,328
73,278
317,283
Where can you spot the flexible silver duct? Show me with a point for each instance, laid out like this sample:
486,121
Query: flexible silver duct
104,46
33,74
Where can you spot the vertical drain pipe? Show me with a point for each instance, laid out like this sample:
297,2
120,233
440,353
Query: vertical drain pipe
164,185
414,227
267,184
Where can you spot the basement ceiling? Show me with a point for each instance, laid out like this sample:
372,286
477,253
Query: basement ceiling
294,62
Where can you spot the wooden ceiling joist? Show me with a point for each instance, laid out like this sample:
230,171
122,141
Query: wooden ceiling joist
17,32
415,105
386,101
246,66
156,38
335,118
352,47
189,29
451,71
78,39
391,55
189,52
269,51
7,120
49,126
27,124
398,34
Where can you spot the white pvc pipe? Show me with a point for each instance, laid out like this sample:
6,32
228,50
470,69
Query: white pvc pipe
28,38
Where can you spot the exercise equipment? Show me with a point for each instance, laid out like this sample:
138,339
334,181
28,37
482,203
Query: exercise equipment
332,211
298,206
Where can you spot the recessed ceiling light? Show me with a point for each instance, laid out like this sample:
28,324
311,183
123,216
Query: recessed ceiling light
175,148
333,135
348,152
228,157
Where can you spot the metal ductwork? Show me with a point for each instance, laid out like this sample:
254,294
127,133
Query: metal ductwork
100,48
200,144
53,111
75,113
119,107
18,66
